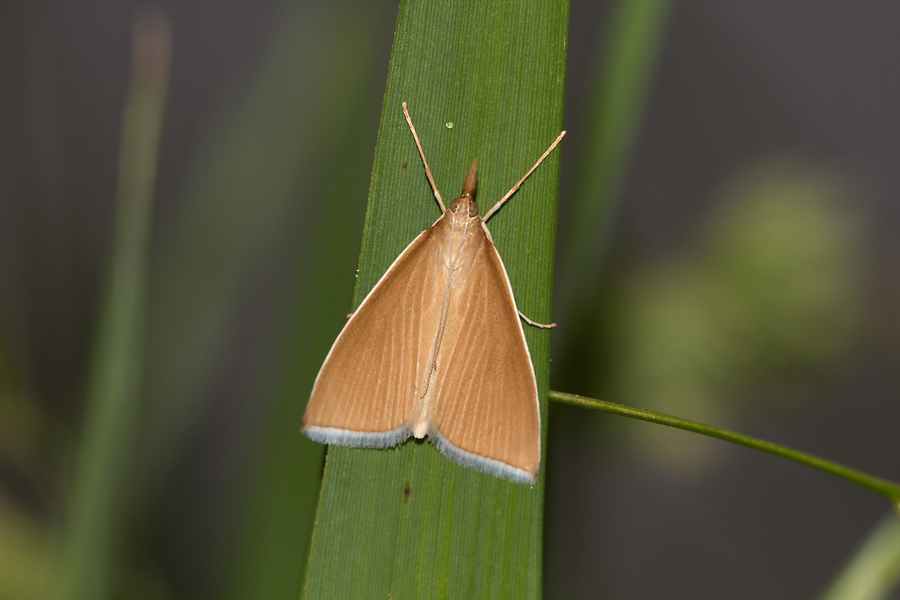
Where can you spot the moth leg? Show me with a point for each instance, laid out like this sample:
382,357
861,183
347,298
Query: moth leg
534,323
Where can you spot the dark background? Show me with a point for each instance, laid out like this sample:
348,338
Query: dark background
738,84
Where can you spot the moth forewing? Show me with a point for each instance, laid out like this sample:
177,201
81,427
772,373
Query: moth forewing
487,410
368,386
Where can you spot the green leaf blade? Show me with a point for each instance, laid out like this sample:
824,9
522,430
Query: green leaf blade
405,522
105,456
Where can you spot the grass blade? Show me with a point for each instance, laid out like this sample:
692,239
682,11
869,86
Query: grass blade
485,80
874,572
274,521
624,78
106,451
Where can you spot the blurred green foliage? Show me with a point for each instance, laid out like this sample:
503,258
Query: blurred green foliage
98,498
768,292
26,560
26,550
874,570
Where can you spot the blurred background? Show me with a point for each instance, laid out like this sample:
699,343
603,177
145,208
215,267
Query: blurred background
741,270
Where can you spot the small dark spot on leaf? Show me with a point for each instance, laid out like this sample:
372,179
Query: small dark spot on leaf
407,490
405,164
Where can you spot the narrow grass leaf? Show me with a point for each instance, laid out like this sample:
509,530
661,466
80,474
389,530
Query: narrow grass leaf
485,80
282,482
106,448
873,573
626,64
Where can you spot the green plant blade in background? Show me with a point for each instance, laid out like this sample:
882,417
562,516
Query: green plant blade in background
626,68
106,448
627,65
485,80
249,178
874,571
273,168
282,487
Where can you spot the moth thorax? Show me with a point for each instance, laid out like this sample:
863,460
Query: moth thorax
467,205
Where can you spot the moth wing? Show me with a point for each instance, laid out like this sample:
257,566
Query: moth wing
486,413
370,382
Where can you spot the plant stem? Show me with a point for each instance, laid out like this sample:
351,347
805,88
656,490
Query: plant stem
882,486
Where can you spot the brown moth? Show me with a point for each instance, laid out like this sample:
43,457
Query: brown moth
436,349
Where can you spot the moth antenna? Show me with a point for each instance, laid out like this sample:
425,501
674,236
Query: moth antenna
412,128
546,153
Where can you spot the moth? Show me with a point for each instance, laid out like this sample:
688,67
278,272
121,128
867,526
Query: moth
436,350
